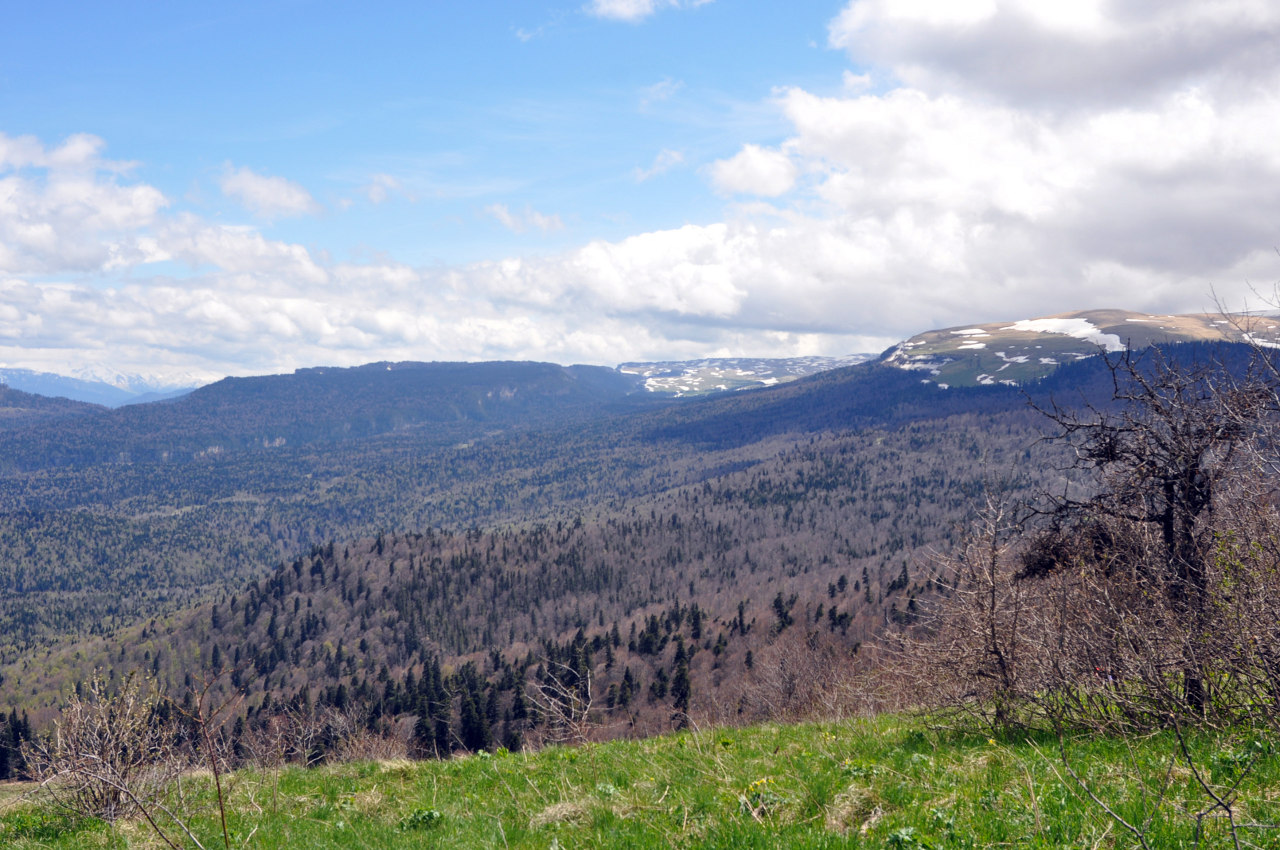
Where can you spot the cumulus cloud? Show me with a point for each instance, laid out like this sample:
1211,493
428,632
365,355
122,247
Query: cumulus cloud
633,11
1050,53
66,209
950,197
681,272
269,197
755,171
238,251
519,222
662,163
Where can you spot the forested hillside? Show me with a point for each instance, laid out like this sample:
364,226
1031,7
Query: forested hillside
826,536
96,545
22,410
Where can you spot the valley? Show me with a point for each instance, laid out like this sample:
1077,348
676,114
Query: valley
125,530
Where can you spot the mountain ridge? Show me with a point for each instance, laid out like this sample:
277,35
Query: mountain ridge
1010,351
1015,352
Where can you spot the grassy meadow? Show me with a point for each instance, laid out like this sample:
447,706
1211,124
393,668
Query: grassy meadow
884,782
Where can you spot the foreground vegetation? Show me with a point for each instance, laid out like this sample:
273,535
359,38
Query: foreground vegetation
888,782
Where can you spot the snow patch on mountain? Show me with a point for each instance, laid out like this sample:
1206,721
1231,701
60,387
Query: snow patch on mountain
721,374
1081,329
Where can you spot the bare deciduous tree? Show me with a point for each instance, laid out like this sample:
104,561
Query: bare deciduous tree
977,651
1148,603
1163,461
1143,600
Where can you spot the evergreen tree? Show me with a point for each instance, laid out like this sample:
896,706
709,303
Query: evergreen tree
680,686
472,726
423,739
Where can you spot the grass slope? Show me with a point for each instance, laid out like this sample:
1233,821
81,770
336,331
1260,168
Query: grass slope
888,782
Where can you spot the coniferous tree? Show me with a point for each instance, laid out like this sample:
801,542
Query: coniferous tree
680,685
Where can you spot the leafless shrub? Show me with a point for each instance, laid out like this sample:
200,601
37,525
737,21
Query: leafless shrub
563,696
1101,641
974,654
111,755
306,736
806,675
353,740
268,743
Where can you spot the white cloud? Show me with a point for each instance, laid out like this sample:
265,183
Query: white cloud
856,83
662,90
636,10
755,171
238,251
382,186
265,196
1050,53
520,222
64,208
662,163
935,204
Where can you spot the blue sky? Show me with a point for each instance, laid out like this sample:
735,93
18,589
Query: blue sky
531,106
191,191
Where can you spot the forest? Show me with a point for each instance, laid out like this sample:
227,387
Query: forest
96,543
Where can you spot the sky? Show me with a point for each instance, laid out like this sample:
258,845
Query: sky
195,190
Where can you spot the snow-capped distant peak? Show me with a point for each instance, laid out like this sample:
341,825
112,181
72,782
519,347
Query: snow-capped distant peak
137,384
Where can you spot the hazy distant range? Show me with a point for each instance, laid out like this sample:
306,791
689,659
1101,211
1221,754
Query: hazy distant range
675,377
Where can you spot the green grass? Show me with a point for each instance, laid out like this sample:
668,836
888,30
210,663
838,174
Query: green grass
888,782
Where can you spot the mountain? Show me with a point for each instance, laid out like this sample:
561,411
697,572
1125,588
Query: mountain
110,388
445,402
136,384
109,515
1020,351
129,512
810,511
95,387
720,374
